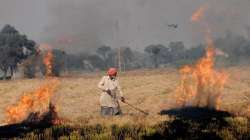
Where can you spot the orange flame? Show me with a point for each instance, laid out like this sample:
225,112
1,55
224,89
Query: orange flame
48,61
36,101
198,14
201,85
48,58
45,46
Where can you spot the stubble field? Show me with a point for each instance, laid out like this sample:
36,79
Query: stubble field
77,97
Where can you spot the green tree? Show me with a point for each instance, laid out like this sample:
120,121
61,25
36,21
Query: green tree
157,53
177,50
105,53
128,57
14,48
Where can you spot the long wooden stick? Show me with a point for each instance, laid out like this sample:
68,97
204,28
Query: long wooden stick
136,108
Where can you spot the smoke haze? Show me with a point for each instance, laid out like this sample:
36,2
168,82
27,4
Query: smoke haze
77,25
28,16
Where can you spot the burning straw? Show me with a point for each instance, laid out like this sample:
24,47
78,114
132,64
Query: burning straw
201,85
33,106
36,101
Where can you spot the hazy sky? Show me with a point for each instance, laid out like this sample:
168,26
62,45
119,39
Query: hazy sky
75,25
28,16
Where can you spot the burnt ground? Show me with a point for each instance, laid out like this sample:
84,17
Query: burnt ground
189,123
20,129
195,123
34,121
196,113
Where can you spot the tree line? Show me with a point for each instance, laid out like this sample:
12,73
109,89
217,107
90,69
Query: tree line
230,50
17,50
14,48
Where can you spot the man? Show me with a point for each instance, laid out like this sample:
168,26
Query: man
111,93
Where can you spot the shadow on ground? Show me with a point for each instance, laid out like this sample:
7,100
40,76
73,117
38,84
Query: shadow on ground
196,113
185,124
194,123
19,130
34,122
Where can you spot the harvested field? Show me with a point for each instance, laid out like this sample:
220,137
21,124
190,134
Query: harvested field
77,97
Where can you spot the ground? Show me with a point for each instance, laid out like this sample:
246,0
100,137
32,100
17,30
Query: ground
77,97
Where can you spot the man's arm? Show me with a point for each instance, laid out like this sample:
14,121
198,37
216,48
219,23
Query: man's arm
101,85
120,92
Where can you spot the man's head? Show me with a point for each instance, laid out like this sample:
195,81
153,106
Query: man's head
112,72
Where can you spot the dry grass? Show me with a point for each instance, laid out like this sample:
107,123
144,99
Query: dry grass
78,96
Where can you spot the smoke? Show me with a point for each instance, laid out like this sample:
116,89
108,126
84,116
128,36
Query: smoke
83,25
248,32
28,16
228,16
138,23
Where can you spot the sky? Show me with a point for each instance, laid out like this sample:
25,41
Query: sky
28,16
82,25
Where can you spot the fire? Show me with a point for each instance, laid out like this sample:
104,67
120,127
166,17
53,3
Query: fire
48,58
44,46
197,16
36,101
48,61
201,85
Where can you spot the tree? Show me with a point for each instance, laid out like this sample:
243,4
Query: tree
75,61
155,52
58,62
177,50
235,46
96,61
29,65
104,52
14,48
127,57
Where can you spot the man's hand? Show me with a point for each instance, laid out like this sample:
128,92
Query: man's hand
123,99
108,91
